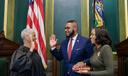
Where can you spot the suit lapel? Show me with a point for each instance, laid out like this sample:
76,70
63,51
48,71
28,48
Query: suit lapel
76,46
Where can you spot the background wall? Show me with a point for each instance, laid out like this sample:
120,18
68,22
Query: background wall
65,10
122,20
1,14
112,19
20,15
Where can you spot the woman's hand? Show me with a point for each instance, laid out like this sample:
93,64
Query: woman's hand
32,43
78,65
81,68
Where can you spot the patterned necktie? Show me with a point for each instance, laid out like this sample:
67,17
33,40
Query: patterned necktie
70,49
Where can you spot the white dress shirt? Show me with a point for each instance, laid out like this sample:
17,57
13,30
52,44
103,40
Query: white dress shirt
73,41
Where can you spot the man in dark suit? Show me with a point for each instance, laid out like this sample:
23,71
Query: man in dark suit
73,49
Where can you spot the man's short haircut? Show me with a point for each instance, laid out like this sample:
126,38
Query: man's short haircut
72,21
26,30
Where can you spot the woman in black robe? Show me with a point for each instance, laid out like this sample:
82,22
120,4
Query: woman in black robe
25,60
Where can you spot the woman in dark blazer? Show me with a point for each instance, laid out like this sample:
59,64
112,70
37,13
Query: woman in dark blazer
102,60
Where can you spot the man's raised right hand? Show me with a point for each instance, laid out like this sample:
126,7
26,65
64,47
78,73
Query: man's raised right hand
53,41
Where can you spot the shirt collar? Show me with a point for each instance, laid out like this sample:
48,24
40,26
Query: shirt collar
74,38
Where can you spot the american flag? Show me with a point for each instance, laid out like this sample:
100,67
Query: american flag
35,20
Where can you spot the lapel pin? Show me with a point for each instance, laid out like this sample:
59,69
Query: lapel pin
77,40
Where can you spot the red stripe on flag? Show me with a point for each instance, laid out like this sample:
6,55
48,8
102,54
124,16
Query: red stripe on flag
41,42
40,3
29,21
33,22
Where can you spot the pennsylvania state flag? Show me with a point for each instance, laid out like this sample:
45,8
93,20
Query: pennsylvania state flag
99,15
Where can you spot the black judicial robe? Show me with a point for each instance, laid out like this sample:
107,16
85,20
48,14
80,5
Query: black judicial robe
26,63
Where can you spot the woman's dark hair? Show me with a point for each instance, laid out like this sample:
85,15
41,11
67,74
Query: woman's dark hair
102,37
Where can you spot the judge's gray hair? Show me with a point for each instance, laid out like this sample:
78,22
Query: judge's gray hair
26,30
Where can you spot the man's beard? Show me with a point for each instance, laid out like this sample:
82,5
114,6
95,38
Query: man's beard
71,34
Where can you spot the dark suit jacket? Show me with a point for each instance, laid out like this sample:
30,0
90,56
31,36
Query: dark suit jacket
81,51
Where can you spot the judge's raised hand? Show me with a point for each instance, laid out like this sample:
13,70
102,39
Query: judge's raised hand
53,41
32,43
